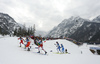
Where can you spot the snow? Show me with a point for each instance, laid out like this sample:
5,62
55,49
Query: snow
90,37
89,25
11,53
1,36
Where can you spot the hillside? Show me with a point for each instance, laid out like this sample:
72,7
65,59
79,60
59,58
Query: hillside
88,32
7,24
78,29
11,53
67,27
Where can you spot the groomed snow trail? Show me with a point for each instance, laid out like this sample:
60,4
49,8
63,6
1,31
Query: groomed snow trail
11,53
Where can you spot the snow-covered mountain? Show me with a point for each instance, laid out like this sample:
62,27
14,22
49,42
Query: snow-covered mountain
97,19
88,32
7,23
67,27
79,29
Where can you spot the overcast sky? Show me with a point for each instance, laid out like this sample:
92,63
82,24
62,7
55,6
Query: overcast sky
46,14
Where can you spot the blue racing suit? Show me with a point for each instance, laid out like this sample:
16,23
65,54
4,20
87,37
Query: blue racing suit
58,47
62,48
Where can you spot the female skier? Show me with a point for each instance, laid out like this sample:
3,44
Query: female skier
28,44
62,51
58,47
40,44
21,40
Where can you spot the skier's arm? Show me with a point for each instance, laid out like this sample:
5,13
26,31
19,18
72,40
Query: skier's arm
56,45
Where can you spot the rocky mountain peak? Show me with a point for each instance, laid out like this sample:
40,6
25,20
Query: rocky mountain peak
7,23
97,19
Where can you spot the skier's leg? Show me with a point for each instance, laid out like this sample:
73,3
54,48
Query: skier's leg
28,45
38,49
63,50
20,44
28,49
25,46
43,49
57,50
22,41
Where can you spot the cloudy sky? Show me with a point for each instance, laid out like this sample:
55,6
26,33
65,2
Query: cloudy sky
46,14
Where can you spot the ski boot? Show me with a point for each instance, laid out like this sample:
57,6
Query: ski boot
20,45
28,49
45,52
38,52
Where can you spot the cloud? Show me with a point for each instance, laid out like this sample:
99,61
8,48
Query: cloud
46,14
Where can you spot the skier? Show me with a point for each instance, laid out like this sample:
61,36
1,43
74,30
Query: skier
40,44
21,40
28,44
58,47
62,51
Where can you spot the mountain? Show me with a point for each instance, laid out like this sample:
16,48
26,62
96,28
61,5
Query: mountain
78,29
88,32
97,19
7,23
67,27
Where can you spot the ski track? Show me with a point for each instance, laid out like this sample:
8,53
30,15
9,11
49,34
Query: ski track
11,53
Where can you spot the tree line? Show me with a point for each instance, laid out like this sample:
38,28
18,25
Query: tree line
19,31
